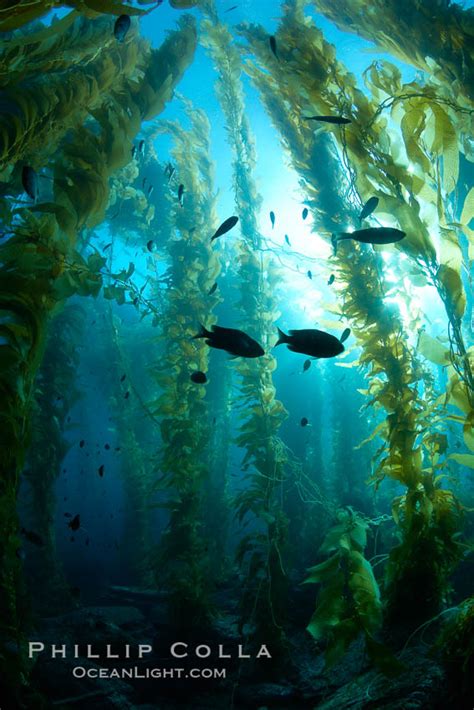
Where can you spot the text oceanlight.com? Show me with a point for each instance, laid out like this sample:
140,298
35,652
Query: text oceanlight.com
149,673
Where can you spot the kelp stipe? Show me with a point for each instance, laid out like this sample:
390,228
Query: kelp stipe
260,554
181,564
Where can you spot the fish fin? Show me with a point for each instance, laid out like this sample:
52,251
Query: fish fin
282,338
203,333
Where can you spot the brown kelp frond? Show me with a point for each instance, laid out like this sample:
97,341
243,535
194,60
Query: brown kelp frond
24,11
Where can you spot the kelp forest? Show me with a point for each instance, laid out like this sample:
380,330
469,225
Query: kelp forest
236,354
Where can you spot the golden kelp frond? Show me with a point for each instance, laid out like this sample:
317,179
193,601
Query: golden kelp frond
437,37
38,113
24,11
166,67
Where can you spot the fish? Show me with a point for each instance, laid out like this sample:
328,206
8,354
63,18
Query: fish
122,379
340,120
371,235
106,447
368,208
29,180
306,365
32,537
304,422
287,240
309,274
126,395
345,334
233,341
234,7
143,183
150,190
121,27
101,470
312,342
212,289
107,246
199,377
273,45
331,280
225,227
272,219
171,171
150,245
304,213
75,523
81,443
134,150
141,148
180,194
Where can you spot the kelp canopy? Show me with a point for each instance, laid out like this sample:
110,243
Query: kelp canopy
234,492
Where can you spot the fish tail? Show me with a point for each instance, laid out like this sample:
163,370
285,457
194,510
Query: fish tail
282,338
203,333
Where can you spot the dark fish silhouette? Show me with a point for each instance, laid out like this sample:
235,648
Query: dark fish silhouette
75,523
121,27
328,119
304,422
287,240
199,377
315,343
306,365
331,279
81,443
141,148
212,289
273,45
371,235
345,334
29,180
150,245
368,208
272,219
101,470
225,227
304,213
122,379
32,537
309,274
233,341
180,194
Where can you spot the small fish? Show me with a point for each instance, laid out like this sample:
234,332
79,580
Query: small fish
106,447
309,274
171,171
212,289
233,341
306,365
273,45
304,422
141,148
345,334
328,119
32,537
272,219
372,235
305,213
199,377
368,208
287,240
150,245
143,183
126,395
122,379
331,280
101,470
134,150
81,443
312,342
75,523
107,246
150,190
121,27
225,227
29,180
234,7
180,194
